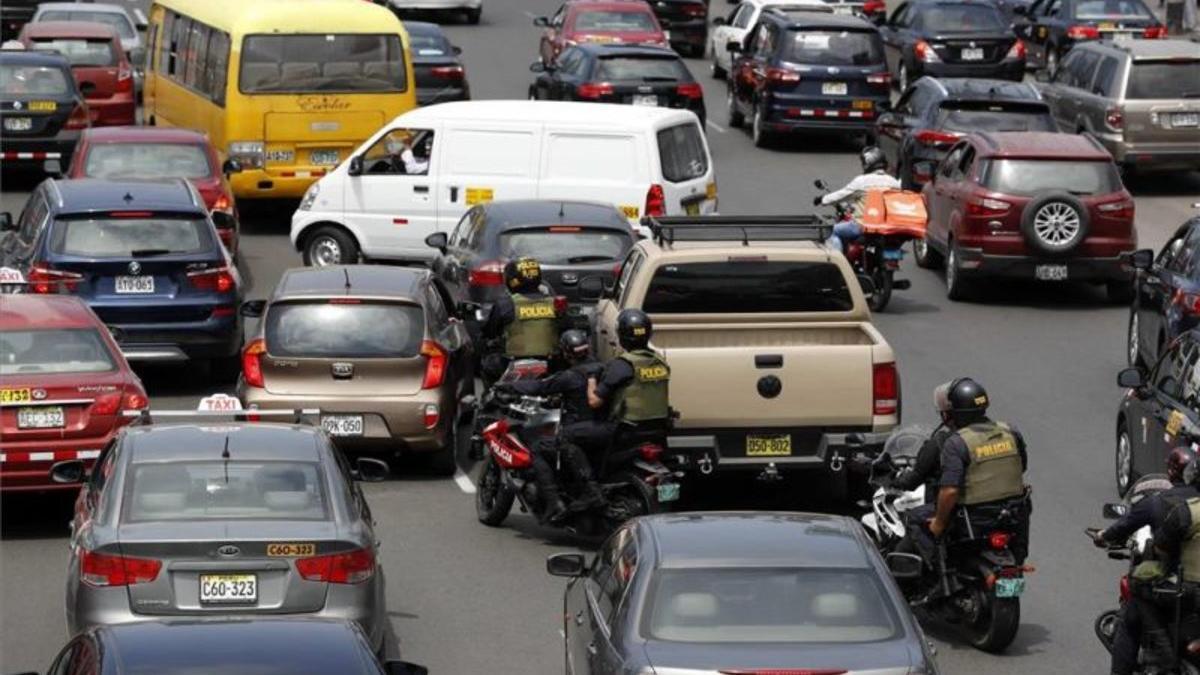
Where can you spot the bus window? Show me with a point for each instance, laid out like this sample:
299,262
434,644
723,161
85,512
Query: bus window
322,63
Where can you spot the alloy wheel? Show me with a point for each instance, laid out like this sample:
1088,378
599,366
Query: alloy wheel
1057,224
1124,462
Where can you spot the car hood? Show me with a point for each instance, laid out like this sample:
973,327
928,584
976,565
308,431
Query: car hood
876,658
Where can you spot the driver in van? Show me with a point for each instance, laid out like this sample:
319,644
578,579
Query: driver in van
403,154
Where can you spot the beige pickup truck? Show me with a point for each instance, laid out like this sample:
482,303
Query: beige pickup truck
774,360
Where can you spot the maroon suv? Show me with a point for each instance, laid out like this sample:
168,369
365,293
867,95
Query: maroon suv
1029,205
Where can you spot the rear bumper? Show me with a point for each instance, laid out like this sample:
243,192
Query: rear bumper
167,342
977,263
815,114
435,4
431,95
823,451
1156,156
281,183
1008,69
120,110
33,151
25,466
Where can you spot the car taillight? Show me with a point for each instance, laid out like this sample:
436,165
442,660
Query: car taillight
594,89
886,388
871,7
1119,209
1155,33
102,569
431,416
252,364
656,201
490,273
134,400
925,52
698,11
883,79
937,138
782,76
124,80
217,279
352,567
1114,118
560,305
44,279
999,540
650,452
81,117
435,366
222,203
447,72
1083,33
690,90
1017,51
987,207
106,404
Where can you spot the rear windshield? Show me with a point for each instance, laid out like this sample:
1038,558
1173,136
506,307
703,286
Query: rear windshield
614,21
1027,177
995,118
833,48
80,52
76,350
749,286
220,490
960,19
769,605
130,237
1112,9
24,80
681,151
313,63
345,330
146,160
429,44
117,21
635,68
1163,79
565,245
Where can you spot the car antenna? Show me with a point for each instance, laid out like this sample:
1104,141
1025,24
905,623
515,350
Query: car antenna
561,211
225,456
346,272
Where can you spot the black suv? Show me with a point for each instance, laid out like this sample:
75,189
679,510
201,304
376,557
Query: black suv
41,110
808,71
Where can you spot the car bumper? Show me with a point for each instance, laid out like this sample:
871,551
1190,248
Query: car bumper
276,183
1183,155
170,342
701,451
977,263
25,466
1008,69
115,111
33,152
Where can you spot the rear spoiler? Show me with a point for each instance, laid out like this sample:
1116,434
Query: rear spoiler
669,229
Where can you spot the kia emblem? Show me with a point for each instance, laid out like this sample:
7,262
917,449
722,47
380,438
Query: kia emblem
229,551
135,268
342,369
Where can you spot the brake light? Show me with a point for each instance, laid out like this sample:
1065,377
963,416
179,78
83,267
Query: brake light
447,72
560,305
782,76
874,7
937,138
690,90
432,415
987,207
222,311
217,279
594,89
80,118
1017,51
999,540
490,273
435,367
222,203
883,79
1083,33
886,388
44,279
1155,33
352,567
1114,118
926,53
252,363
1119,209
698,11
124,80
102,569
656,201
1124,590
650,452
106,404
135,400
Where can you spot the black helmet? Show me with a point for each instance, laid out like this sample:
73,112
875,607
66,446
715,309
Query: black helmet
1178,459
633,329
963,400
873,159
522,274
574,344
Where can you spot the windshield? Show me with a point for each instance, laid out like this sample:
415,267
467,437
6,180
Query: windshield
833,48
960,19
995,118
220,490
130,237
24,80
781,605
564,245
635,68
80,52
1112,9
747,286
80,350
615,21
1164,79
119,22
312,63
344,330
146,160
1027,177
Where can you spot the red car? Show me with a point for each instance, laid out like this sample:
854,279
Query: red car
1031,205
98,62
607,21
158,152
63,388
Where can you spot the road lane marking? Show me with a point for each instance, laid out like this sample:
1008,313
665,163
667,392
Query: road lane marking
716,127
464,483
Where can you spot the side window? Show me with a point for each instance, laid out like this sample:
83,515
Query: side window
437,308
608,569
743,16
217,66
179,39
571,63
1173,367
478,229
197,76
967,162
460,230
628,269
613,590
1190,394
400,152
1052,8
904,105
1171,252
103,468
1106,77
1186,258
32,219
770,39
557,19
165,40
80,657
1082,70
902,18
950,163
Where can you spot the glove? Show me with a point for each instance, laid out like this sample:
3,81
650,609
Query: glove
1098,538
817,200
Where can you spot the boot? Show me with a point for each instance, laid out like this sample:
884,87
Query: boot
556,512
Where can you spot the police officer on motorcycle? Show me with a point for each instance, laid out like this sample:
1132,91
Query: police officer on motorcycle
524,317
634,385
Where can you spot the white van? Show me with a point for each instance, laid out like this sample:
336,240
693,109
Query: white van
420,173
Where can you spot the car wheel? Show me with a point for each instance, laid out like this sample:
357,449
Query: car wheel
1119,292
1124,461
736,118
1055,222
473,15
330,245
1133,340
925,255
761,137
955,284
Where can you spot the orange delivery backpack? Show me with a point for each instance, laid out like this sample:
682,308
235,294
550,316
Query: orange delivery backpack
894,212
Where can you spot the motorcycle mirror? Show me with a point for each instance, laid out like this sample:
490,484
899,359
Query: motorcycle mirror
905,565
1114,511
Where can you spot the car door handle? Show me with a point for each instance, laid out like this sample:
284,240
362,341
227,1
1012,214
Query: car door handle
453,193
579,618
421,189
592,649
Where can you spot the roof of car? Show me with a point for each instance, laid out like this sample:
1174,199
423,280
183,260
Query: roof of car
1153,49
34,57
981,89
90,7
22,311
389,281
608,4
759,539
609,49
804,20
723,248
526,212
253,441
1040,145
74,29
423,28
131,134
612,115
85,195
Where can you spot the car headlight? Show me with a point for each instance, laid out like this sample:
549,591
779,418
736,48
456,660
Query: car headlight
310,196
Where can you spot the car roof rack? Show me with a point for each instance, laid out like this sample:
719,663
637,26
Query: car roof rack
670,229
146,416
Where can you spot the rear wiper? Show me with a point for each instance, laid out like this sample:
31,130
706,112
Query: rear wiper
145,252
575,260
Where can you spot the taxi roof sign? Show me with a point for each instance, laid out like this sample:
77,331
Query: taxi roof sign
219,403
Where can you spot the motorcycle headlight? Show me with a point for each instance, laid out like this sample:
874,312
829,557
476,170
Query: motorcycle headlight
310,196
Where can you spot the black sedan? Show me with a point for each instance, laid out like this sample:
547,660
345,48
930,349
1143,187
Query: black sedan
604,73
1167,300
933,114
437,67
737,593
1050,27
41,109
275,646
685,22
951,38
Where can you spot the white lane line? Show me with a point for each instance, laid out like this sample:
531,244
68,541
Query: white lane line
464,483
716,127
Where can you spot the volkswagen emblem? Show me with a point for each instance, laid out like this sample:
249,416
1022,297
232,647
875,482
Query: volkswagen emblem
342,369
38,394
229,551
971,45
135,268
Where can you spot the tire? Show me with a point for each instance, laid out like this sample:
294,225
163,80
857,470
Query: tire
641,500
882,279
999,626
1133,340
330,245
1055,223
492,500
736,118
1119,292
1123,460
761,137
956,286
473,15
926,255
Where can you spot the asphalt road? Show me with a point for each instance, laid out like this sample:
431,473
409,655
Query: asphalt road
464,598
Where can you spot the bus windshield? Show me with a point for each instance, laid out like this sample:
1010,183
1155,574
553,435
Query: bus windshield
325,63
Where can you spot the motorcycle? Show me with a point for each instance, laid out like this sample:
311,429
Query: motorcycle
1137,549
975,581
878,252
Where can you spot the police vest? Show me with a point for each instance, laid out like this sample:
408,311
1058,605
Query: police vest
534,331
1189,555
645,398
995,471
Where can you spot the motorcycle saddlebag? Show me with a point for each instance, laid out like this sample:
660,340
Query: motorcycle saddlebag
894,212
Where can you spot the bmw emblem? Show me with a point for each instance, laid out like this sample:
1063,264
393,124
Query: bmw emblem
38,394
135,268
229,551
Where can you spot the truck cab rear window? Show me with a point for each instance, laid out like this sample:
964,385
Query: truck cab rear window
737,287
339,330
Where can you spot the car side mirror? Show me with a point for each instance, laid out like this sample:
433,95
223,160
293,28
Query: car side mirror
253,309
1114,511
733,47
1131,378
6,222
541,22
905,565
70,471
437,240
566,565
404,668
592,289
231,166
370,469
538,67
867,284
719,21
456,49
355,166
1141,259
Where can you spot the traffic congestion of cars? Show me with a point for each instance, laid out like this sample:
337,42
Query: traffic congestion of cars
545,302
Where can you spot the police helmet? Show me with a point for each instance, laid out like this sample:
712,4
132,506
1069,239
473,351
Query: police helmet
963,400
873,159
1178,459
633,329
574,344
522,274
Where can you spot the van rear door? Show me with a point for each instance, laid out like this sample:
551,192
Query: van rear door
479,164
597,165
683,167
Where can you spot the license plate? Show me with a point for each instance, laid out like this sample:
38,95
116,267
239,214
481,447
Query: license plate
343,425
43,106
18,123
692,209
280,155
1050,272
15,396
1010,588
893,254
142,284
1107,26
324,157
41,417
645,100
768,446
668,492
972,54
834,88
228,588
1187,119
843,9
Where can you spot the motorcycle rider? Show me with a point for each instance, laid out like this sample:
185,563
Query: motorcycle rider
874,176
524,317
633,387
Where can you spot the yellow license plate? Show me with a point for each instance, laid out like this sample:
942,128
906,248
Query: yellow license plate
692,209
768,446
628,211
43,106
1108,26
863,105
710,191
289,550
15,396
